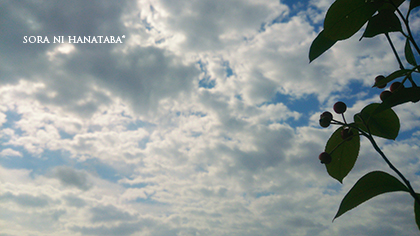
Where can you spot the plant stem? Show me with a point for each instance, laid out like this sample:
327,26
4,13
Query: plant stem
395,51
410,37
344,118
369,136
407,26
407,183
412,81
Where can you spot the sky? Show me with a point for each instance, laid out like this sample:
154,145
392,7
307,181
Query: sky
200,118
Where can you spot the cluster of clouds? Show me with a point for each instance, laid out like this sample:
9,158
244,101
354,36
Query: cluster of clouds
204,121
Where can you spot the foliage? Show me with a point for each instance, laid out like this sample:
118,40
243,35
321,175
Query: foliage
344,18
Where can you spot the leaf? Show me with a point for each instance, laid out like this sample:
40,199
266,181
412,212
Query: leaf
400,96
388,5
367,187
345,17
392,76
409,56
384,22
417,212
383,124
344,154
319,46
414,4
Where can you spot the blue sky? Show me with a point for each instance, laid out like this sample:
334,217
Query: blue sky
202,121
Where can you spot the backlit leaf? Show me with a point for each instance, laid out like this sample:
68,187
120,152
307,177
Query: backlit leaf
414,4
319,46
384,22
409,56
345,17
388,5
399,97
392,76
417,212
344,154
367,187
383,124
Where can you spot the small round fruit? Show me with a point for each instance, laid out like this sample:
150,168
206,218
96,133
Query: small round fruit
324,122
327,114
385,94
325,158
325,119
379,78
346,134
340,107
395,86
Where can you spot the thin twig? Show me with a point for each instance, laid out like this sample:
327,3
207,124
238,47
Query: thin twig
407,26
395,51
407,183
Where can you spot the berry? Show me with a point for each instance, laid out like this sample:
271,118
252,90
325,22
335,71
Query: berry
385,94
395,86
324,122
325,119
327,114
346,134
325,158
379,78
340,107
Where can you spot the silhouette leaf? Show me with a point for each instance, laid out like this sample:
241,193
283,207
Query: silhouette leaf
385,124
409,56
398,97
384,22
392,76
345,17
344,154
319,46
367,187
414,4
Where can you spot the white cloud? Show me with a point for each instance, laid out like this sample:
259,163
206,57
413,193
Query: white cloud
203,24
180,129
8,152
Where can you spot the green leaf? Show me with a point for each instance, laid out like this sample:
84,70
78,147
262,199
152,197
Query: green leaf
383,124
409,56
367,187
417,212
345,17
319,46
344,154
392,76
388,5
414,4
400,96
384,22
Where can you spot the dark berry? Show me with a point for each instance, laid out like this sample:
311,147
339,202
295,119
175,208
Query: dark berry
395,86
378,79
324,122
340,107
346,134
327,114
385,94
325,119
325,158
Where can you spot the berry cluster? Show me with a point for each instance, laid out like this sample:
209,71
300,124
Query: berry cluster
326,119
387,93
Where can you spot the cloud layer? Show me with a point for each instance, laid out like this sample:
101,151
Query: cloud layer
203,121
